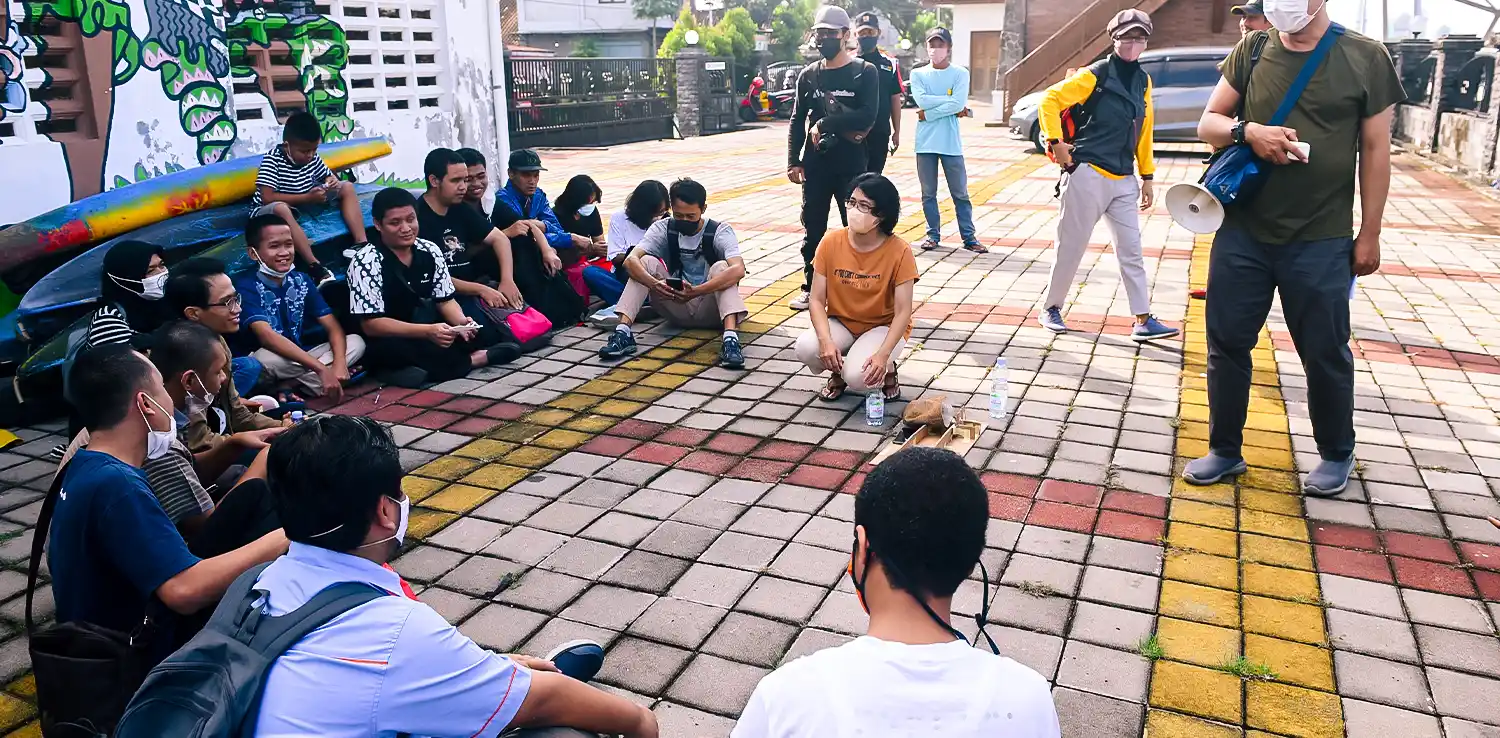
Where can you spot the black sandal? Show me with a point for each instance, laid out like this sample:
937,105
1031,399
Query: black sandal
891,390
835,388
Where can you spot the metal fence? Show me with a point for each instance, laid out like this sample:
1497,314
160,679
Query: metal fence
589,102
721,104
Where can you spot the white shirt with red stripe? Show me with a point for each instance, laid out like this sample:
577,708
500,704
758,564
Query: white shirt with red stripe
390,666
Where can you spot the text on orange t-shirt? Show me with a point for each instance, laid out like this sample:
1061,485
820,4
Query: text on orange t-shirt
862,286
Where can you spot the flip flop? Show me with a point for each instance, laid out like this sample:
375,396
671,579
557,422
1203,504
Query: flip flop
976,248
891,390
833,390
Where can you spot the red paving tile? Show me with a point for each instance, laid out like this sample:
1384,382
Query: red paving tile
473,426
835,458
658,453
434,419
613,446
639,429
1073,493
1058,515
1432,576
1009,484
1489,585
708,462
390,414
506,410
466,405
1481,555
684,436
426,398
1345,536
1132,527
1420,547
733,443
1136,502
358,406
783,451
760,470
853,484
821,477
1009,507
1357,564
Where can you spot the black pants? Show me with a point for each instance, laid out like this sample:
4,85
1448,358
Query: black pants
245,514
552,296
877,150
826,178
441,364
1313,278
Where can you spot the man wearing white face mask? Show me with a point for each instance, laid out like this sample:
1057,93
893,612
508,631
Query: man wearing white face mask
1296,236
276,301
113,549
941,90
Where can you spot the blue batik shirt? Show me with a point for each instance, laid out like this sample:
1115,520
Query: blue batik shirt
287,307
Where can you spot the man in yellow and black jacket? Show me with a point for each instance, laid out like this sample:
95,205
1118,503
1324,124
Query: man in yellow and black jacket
1108,106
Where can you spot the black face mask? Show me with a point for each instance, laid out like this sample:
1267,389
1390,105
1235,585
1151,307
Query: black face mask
868,44
686,227
830,47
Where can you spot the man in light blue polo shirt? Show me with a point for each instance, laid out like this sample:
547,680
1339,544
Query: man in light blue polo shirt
392,665
941,91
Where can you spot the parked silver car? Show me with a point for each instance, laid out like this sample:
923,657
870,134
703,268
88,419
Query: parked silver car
1182,80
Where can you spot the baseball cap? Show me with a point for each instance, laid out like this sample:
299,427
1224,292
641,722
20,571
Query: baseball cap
526,160
940,33
1253,7
832,16
867,19
1128,20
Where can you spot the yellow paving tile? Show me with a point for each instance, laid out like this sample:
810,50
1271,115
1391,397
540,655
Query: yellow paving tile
1195,397
641,393
518,432
629,373
1202,539
1199,604
1195,431
418,488
683,342
601,387
424,523
1198,413
1271,524
687,370
550,417
1266,422
1198,513
591,423
1275,581
1282,708
573,402
532,457
448,468
459,498
1162,724
1192,448
664,354
1295,663
1264,439
32,729
1275,551
1215,494
563,439
1197,643
25,687
664,381
619,408
1269,458
1196,690
1289,620
1274,502
1200,568
1275,481
485,449
497,476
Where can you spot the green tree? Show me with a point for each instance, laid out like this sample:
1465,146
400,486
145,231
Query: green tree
676,38
924,22
586,48
651,10
736,31
790,24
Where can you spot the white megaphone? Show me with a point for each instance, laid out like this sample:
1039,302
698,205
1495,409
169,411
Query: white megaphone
1195,208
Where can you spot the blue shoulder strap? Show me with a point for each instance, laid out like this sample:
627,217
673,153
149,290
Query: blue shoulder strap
1309,68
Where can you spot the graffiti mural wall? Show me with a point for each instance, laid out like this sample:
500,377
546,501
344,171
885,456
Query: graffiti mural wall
97,94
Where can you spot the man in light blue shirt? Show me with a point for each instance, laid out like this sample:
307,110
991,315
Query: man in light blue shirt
941,90
393,665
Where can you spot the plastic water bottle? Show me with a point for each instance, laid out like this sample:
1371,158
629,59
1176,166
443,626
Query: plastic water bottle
999,389
875,409
297,416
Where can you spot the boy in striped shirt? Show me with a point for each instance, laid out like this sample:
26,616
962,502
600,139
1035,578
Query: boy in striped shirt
292,174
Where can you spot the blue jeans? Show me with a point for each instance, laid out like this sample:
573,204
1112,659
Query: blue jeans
246,371
958,188
603,283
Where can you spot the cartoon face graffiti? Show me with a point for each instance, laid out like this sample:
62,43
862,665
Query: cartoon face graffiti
13,95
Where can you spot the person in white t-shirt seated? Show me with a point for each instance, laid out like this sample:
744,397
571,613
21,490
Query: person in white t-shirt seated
919,523
647,204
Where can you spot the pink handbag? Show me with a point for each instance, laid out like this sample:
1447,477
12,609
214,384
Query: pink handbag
527,324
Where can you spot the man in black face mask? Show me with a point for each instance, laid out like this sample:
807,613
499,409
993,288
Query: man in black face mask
835,109
885,137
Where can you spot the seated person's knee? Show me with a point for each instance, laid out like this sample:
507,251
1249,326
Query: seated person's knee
718,267
854,376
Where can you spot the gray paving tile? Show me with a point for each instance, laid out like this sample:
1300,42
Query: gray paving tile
1110,626
841,613
510,507
467,534
580,558
708,513
610,607
546,484
426,563
1105,671
1116,587
683,482
1460,651
642,666
526,545
599,493
812,640
1053,543
482,576
1456,728
781,599
646,571
1082,713
1358,595
453,606
678,622
653,503
1391,639
712,585
716,684
674,719
1038,651
564,517
1446,611
1386,682
620,529
803,563
750,639
1465,695
742,551
543,591
502,628
1013,607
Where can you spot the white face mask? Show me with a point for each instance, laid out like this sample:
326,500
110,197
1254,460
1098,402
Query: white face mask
1290,16
938,55
152,287
588,209
861,222
269,272
158,443
198,402
400,535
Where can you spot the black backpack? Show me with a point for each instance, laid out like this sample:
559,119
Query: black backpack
709,249
211,687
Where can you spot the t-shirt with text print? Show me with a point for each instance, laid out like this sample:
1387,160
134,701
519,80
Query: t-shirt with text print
862,286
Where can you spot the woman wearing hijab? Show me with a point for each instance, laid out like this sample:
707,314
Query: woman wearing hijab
130,288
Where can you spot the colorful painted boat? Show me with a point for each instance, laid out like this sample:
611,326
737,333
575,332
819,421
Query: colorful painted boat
126,209
40,378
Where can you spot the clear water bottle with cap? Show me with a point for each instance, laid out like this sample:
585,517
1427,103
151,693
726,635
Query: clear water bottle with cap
297,416
999,389
875,408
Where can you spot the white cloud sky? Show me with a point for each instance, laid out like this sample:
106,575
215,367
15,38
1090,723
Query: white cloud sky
1364,15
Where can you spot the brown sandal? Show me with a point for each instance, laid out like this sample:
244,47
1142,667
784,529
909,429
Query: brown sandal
834,389
892,387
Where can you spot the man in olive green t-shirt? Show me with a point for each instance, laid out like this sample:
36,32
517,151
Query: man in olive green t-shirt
1297,234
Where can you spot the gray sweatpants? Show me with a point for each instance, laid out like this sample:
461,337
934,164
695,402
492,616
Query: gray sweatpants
1088,196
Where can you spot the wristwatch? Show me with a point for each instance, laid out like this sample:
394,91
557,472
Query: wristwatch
1237,133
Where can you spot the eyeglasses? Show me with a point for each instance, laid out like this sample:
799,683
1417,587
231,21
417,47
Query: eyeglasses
231,302
868,208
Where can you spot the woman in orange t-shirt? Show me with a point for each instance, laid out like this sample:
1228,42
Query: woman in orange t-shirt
861,303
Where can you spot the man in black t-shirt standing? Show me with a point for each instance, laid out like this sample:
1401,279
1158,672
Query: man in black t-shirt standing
885,137
476,251
834,111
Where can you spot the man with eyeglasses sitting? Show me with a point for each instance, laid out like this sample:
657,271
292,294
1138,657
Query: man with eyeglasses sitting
200,291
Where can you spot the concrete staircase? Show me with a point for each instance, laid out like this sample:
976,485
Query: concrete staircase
1074,45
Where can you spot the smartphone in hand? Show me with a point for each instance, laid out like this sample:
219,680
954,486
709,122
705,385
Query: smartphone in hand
675,283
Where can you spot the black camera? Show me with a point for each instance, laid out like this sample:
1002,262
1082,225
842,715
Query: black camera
826,142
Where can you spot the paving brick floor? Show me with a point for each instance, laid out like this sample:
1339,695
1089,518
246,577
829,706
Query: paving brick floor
696,520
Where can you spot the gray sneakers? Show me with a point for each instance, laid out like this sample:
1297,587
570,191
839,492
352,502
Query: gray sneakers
1212,468
1329,479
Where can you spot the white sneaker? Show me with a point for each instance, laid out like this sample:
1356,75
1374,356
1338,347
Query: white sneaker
605,318
800,301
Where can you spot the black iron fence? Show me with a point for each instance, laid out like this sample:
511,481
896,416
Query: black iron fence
721,104
589,102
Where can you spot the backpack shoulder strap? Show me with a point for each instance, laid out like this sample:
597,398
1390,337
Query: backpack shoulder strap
39,539
1309,68
710,231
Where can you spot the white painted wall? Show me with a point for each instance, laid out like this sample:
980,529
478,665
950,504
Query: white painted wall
969,18
580,16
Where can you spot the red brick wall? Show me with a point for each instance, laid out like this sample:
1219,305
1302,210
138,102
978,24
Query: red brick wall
1178,22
